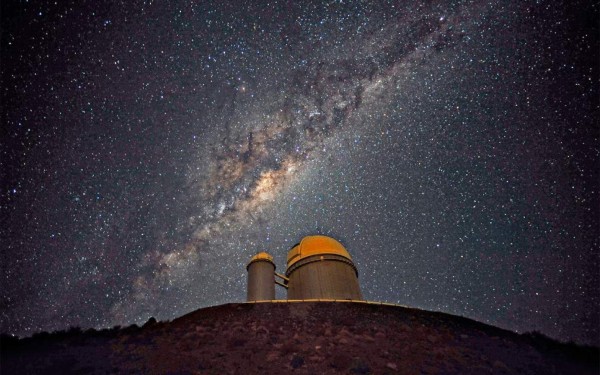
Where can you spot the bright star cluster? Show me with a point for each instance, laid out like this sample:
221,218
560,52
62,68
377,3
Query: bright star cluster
150,148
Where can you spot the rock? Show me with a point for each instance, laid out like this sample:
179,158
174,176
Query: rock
150,322
500,365
262,331
340,360
272,356
392,366
297,361
368,338
358,366
405,328
344,332
188,336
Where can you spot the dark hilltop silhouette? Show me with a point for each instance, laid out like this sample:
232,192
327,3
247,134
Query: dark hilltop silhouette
298,337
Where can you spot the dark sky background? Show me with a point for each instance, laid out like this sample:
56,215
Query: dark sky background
150,148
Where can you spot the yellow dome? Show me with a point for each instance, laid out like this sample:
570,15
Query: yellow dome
262,256
315,245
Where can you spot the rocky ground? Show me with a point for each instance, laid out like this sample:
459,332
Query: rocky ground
299,337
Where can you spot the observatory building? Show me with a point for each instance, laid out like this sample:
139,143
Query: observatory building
261,278
318,267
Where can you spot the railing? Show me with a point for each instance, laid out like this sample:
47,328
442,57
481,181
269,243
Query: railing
329,300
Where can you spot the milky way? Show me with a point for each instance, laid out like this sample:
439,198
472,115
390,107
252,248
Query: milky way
150,149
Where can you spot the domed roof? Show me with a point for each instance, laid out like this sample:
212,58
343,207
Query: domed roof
315,245
262,256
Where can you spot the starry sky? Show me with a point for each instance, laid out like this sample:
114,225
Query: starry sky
150,148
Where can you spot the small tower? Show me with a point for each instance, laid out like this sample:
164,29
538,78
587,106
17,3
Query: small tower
319,267
261,278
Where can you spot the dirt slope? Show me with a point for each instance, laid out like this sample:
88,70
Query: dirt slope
303,338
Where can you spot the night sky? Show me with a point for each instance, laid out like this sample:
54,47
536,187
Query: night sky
150,148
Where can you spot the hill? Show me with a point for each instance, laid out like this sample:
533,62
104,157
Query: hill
299,337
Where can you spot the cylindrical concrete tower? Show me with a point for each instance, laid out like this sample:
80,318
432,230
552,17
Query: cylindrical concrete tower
261,278
320,267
